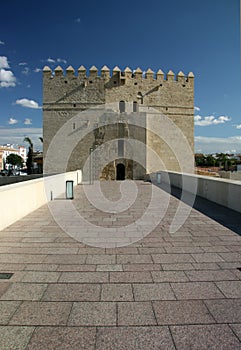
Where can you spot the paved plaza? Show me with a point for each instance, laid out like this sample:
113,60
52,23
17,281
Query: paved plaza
168,291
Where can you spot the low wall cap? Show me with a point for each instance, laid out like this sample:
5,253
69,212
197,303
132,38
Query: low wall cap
81,69
59,69
160,72
70,69
105,69
181,74
47,69
116,69
93,69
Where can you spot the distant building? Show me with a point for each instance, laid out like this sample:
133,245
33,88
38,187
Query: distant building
7,149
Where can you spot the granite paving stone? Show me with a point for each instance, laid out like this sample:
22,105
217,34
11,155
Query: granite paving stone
62,250
225,310
141,267
41,276
34,313
21,258
110,267
3,287
117,292
169,276
237,329
180,312
7,309
123,250
134,259
63,338
196,290
76,268
203,337
93,314
130,277
177,267
101,259
154,250
210,275
153,291
205,266
135,313
15,338
84,277
72,292
41,267
184,249
65,259
207,257
231,257
24,291
134,338
231,289
172,258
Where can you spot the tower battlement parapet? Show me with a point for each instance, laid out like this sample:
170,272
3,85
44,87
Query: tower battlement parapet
126,74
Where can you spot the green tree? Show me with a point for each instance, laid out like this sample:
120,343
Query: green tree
29,162
14,159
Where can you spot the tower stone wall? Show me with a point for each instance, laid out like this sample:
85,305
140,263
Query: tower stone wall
66,95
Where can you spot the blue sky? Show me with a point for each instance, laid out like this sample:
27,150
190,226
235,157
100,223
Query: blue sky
188,35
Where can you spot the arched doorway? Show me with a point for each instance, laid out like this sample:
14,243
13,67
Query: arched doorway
120,172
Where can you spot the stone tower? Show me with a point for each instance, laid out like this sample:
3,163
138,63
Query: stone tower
70,100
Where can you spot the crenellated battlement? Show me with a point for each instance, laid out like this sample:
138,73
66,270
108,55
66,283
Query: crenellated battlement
106,74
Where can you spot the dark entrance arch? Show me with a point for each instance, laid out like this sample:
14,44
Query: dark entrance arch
120,172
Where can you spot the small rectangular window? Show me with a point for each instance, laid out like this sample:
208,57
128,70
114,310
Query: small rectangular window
122,106
120,148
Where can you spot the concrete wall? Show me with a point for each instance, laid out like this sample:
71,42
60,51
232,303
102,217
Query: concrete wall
20,199
235,175
220,191
7,180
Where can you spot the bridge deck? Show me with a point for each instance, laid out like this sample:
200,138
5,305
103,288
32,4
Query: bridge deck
164,291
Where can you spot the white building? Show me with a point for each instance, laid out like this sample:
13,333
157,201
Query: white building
7,149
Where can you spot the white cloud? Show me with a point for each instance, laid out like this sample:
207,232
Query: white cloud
238,126
210,120
78,20
12,121
28,121
4,62
28,86
217,144
22,64
196,108
16,136
37,70
59,60
7,78
25,102
2,42
25,71
50,60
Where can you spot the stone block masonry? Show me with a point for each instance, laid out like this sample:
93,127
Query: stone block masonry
67,94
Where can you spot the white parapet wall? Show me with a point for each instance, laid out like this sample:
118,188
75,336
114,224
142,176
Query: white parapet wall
220,191
20,199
